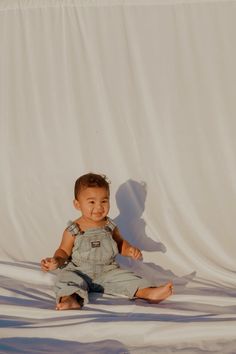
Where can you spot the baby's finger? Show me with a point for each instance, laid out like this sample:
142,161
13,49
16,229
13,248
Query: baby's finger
44,268
140,257
43,262
131,252
44,265
137,254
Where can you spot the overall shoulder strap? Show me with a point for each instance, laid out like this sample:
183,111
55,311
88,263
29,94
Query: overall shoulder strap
110,224
73,228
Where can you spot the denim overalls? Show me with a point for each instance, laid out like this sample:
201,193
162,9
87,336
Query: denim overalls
93,267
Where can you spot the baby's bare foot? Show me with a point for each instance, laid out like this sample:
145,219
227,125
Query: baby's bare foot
161,293
68,303
156,295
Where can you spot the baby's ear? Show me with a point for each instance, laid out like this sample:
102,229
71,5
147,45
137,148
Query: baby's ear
76,204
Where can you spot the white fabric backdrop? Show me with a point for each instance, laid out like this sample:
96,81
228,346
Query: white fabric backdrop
143,91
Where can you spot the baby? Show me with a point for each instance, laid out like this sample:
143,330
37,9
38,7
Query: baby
88,250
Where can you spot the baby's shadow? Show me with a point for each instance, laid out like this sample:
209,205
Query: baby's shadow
130,200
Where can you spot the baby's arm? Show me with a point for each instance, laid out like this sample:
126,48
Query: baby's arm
61,255
124,247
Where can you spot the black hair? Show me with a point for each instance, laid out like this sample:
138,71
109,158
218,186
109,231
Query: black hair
90,180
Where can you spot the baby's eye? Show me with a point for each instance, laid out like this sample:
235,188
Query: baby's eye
91,202
105,201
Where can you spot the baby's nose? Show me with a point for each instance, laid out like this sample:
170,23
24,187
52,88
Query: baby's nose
99,207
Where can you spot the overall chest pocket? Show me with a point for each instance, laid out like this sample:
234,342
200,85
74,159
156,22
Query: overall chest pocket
100,249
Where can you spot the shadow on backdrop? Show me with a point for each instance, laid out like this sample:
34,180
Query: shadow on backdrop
20,293
50,345
130,198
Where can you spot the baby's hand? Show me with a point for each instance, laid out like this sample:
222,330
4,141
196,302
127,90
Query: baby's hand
134,253
49,264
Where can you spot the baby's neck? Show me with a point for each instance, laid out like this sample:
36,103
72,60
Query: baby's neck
86,224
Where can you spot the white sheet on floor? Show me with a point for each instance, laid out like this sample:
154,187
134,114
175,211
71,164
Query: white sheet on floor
143,91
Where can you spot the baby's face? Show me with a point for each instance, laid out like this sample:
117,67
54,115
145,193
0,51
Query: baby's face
93,202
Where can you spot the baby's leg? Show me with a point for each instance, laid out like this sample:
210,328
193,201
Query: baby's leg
124,282
71,289
68,303
155,294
